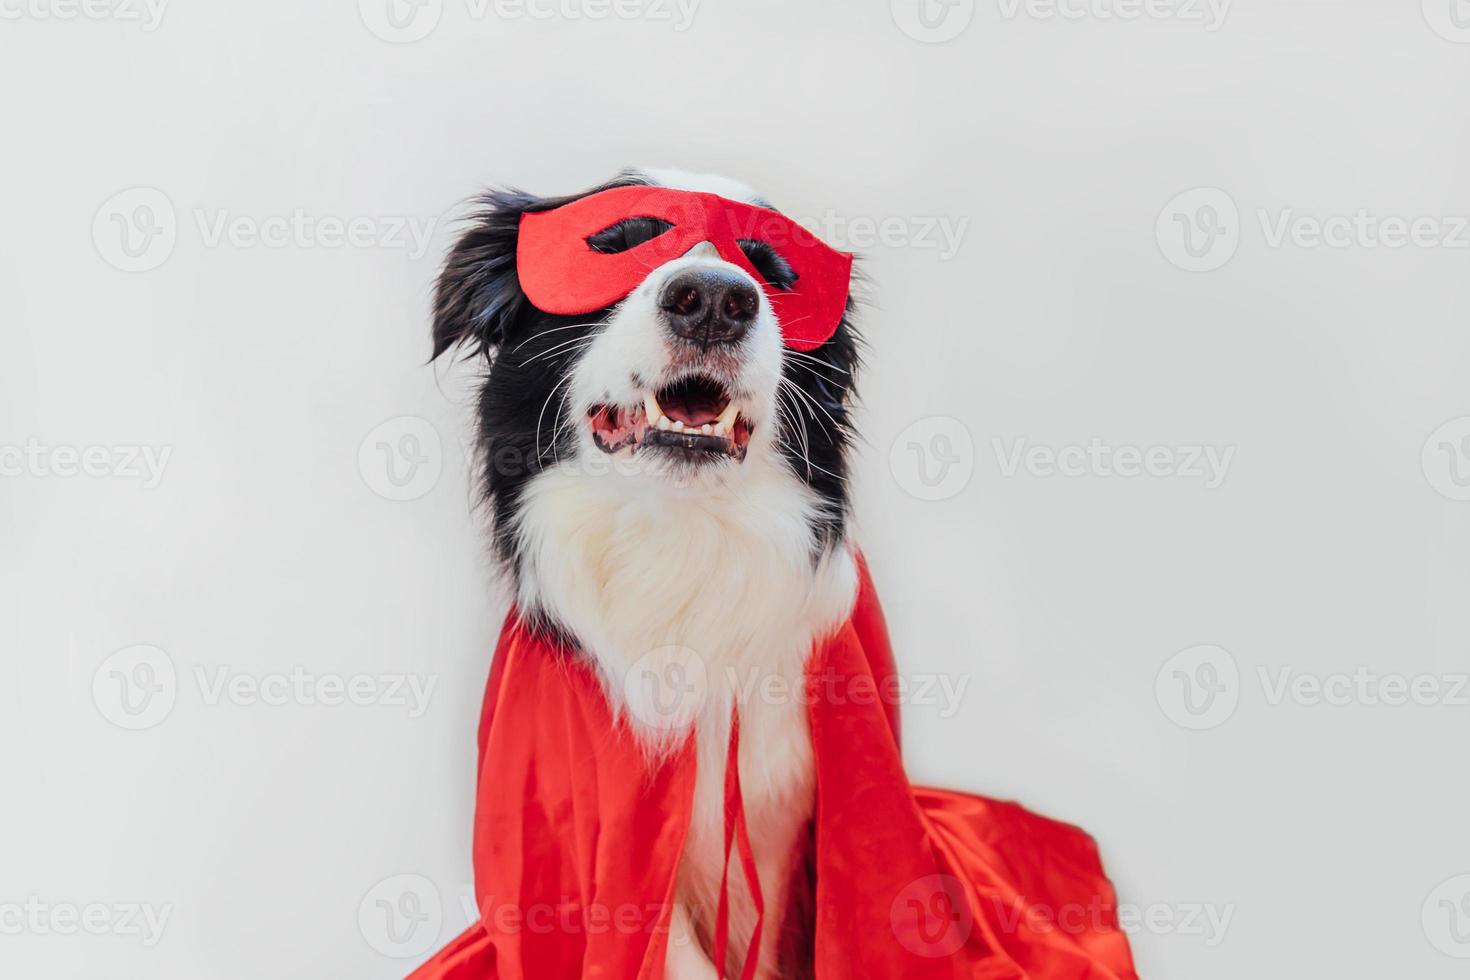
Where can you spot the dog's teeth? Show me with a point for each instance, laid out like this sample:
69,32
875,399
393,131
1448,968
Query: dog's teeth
706,428
721,430
678,426
664,423
651,409
727,418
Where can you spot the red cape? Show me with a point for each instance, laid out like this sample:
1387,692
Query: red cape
577,838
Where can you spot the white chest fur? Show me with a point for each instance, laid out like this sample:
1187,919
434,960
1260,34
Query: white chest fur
690,600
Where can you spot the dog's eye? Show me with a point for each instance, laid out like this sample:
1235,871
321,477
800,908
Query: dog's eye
775,270
627,234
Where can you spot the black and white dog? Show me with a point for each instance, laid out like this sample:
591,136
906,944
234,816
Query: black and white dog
665,476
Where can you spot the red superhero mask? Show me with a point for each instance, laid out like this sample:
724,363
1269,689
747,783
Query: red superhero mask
562,273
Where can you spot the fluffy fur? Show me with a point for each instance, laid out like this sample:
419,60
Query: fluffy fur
691,582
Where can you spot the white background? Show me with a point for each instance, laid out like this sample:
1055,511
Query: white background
1330,835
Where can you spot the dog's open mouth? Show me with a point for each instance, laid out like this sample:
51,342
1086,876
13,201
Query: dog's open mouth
694,415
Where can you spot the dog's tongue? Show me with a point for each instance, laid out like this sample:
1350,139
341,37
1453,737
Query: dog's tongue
691,407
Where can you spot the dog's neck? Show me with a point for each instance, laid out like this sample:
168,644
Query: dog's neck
684,597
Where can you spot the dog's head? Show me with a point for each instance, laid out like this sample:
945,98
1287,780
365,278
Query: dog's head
688,384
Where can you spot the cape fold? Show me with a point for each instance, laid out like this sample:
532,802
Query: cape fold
577,839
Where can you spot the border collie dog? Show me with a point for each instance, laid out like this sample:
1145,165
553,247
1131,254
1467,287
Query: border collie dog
667,486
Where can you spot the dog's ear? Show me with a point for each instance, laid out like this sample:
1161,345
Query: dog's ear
479,295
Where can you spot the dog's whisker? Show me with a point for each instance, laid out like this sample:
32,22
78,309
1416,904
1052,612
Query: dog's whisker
805,448
542,414
801,355
810,370
837,427
543,333
566,347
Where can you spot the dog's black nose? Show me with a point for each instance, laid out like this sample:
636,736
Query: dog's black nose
710,306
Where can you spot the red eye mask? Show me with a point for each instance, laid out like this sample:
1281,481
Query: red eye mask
561,273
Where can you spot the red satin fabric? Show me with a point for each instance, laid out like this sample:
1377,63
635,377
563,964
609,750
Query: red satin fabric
577,839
